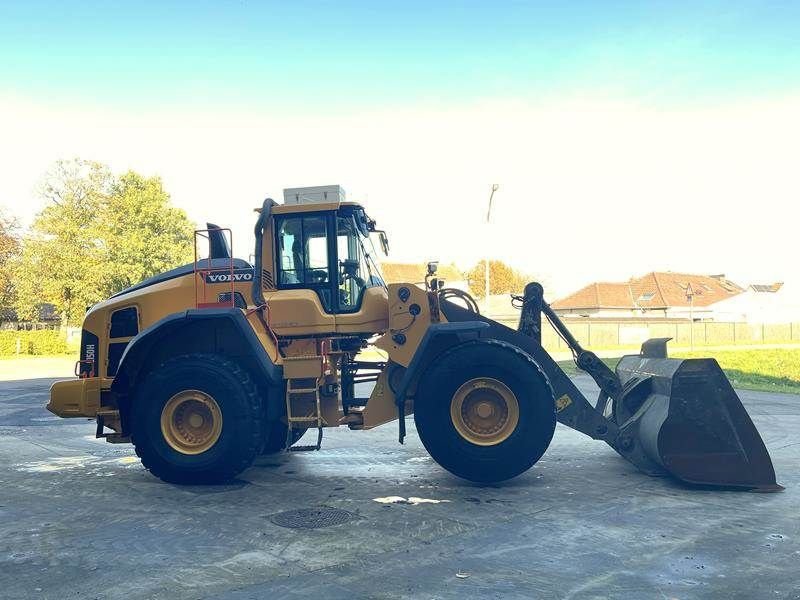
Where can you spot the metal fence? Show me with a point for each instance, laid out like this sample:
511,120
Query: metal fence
607,334
29,326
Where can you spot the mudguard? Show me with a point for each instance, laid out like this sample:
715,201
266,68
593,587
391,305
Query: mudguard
216,330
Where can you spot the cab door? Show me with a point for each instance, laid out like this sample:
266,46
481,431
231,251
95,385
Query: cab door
304,301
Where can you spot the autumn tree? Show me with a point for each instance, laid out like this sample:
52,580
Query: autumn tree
96,235
502,279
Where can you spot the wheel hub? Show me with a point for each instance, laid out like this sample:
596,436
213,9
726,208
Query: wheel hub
191,422
484,411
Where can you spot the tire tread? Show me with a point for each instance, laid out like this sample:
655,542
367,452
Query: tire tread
254,401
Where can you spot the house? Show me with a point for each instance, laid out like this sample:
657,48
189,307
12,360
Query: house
415,273
599,299
763,303
47,318
656,294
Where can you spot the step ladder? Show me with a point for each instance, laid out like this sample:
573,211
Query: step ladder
292,393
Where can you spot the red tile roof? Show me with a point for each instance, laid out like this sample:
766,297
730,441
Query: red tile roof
656,290
598,295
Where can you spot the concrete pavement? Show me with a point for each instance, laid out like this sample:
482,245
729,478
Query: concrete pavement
81,518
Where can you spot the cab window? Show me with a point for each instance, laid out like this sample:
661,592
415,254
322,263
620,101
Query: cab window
351,278
302,244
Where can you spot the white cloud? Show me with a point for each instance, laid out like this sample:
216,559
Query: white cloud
590,189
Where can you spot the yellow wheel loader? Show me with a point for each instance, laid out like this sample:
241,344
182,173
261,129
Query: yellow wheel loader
204,367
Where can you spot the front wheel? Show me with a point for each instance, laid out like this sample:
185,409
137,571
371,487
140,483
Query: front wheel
484,411
197,418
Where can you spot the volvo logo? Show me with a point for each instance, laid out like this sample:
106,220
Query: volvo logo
227,277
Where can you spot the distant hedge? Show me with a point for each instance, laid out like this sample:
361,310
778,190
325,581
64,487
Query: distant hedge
41,341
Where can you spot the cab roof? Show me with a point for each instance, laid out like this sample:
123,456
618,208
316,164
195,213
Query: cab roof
283,209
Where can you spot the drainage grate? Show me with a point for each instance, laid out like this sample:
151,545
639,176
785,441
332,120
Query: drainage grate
311,518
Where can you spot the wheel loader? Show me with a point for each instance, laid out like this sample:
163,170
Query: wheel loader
206,366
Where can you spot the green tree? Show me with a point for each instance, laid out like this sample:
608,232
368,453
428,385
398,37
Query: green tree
502,279
143,232
62,258
97,235
9,252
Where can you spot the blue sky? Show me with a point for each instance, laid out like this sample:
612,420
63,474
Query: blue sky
670,126
302,56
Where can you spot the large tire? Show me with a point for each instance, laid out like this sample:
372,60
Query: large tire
235,399
276,440
520,414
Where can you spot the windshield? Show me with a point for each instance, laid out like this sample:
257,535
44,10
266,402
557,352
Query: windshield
373,254
358,267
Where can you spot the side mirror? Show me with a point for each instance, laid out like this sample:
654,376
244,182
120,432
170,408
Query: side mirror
384,240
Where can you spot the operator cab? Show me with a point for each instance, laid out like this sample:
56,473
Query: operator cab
329,252
324,245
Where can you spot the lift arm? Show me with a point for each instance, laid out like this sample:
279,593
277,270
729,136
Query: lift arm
530,324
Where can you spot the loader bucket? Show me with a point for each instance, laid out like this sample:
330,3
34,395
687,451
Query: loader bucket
688,420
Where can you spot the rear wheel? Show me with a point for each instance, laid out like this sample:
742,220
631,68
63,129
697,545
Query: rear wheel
197,419
484,411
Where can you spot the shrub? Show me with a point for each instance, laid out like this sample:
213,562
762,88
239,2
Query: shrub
41,341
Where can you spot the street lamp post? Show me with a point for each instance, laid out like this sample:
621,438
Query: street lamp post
690,297
488,248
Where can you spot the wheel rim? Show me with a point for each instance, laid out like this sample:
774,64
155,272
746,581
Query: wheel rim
191,422
484,411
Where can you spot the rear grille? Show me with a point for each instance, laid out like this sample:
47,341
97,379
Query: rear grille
90,355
